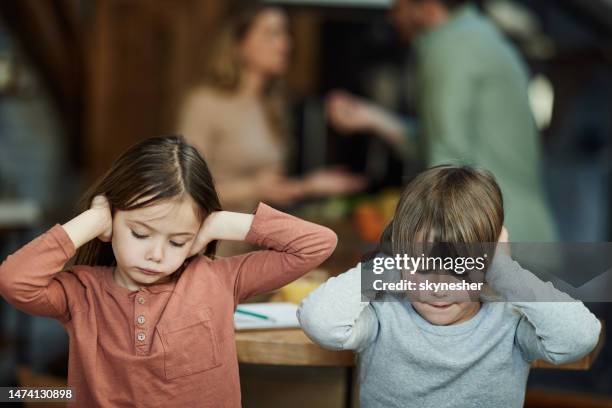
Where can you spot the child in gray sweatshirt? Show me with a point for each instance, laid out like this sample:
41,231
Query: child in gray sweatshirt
449,350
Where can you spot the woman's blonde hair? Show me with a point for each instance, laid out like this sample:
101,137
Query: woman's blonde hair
222,66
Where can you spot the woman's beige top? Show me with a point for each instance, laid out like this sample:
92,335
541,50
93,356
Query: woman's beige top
233,135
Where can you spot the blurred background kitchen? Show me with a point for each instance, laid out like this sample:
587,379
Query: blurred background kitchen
81,80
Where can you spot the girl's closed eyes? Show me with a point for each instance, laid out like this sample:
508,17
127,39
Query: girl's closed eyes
144,236
141,230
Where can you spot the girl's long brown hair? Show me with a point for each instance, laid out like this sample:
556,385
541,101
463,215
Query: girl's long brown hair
151,171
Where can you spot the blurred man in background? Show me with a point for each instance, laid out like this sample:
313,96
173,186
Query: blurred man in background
472,104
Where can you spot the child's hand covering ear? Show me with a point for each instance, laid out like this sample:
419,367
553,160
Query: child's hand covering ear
101,206
222,225
503,235
503,240
205,234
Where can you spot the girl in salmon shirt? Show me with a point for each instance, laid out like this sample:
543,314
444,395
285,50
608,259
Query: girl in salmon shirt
147,306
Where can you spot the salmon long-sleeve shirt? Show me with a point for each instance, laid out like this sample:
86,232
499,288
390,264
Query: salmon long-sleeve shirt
165,345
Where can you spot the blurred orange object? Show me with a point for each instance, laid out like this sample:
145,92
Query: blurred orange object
387,202
369,221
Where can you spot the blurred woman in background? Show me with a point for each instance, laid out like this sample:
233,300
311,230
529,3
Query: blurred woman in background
237,117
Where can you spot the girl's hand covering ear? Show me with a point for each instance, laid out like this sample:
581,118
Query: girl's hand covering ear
205,234
222,225
101,206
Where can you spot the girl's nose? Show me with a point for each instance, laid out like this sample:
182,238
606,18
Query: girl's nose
156,253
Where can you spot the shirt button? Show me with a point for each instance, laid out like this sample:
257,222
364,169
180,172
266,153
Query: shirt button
141,319
141,300
141,336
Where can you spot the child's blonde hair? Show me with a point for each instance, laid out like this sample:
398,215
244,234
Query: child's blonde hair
452,204
448,204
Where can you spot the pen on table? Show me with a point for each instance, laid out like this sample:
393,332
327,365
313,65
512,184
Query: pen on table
253,314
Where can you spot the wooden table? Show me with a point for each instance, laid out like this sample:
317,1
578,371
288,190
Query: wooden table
287,347
292,347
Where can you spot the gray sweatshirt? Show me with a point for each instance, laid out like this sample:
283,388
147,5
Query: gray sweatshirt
405,361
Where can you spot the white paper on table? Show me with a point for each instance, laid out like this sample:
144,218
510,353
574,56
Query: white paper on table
283,315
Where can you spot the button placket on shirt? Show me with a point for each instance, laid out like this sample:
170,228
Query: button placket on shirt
140,320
